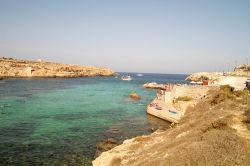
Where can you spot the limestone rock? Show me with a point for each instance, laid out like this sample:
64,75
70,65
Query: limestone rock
134,96
197,77
153,85
10,67
242,70
207,136
235,80
105,145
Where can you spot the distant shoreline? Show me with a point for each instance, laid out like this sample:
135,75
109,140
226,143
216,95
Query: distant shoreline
15,68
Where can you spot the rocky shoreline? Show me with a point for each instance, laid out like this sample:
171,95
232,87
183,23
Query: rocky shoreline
214,131
236,78
14,68
239,71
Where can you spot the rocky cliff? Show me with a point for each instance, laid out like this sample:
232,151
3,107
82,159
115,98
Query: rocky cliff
10,67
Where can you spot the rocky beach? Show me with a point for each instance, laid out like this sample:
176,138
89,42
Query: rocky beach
10,67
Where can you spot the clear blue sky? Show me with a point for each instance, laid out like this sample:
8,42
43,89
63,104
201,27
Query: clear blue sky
168,36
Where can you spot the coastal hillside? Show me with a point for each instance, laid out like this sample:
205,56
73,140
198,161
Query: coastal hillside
236,78
215,132
10,67
242,70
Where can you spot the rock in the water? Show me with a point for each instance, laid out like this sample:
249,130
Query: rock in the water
153,85
113,131
105,145
134,96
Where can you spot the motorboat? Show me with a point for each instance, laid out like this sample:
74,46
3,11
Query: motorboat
126,78
139,75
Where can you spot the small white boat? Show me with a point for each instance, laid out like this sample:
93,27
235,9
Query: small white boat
126,78
139,75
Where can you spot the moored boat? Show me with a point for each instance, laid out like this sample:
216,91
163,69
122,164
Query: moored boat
126,78
139,75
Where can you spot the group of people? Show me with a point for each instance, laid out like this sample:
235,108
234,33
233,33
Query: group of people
156,106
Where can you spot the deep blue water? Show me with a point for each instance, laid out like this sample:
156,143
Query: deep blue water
59,121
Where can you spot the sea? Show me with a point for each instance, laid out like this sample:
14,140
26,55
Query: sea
59,121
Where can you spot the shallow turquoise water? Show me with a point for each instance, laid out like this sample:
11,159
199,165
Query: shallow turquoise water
59,121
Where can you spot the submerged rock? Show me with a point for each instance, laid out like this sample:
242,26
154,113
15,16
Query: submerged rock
105,145
114,131
134,96
153,85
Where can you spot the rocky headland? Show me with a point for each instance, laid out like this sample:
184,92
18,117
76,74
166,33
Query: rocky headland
239,71
236,78
215,129
215,132
10,67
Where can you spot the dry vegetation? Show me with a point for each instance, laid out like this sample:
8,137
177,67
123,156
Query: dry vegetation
215,132
222,143
184,98
10,67
225,92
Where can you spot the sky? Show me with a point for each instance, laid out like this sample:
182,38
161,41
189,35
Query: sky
148,36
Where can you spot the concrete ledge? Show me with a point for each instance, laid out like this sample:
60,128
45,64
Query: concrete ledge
166,113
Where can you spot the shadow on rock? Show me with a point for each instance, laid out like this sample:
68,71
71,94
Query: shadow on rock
105,145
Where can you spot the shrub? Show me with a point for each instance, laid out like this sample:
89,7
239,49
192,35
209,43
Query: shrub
184,98
225,92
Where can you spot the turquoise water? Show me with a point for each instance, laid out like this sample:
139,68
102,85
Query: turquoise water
59,121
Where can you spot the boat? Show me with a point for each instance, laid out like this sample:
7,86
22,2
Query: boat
126,78
139,75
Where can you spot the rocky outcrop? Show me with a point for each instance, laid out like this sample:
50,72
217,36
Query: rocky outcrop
211,134
197,77
105,145
236,81
134,96
10,67
153,85
241,70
